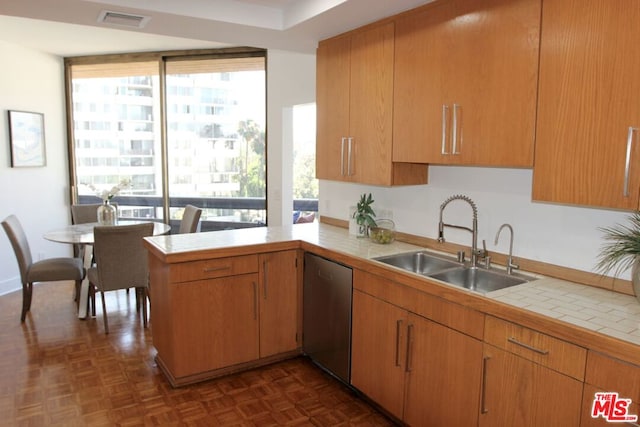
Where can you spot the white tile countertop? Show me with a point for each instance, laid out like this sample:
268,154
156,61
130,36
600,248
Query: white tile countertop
599,310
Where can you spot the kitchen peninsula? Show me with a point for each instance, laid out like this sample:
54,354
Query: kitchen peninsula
231,300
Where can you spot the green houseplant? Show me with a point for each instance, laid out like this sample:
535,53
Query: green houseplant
364,214
621,250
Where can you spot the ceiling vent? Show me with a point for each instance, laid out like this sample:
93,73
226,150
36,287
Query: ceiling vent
123,19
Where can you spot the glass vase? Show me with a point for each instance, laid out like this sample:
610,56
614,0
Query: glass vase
107,214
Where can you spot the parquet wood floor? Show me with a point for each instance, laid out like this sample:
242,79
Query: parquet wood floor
57,370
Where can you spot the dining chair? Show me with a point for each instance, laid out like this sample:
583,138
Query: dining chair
190,219
46,270
121,263
83,214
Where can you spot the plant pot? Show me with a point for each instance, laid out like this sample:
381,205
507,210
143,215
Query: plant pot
635,277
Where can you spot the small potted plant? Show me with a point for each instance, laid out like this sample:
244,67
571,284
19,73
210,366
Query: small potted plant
364,215
621,251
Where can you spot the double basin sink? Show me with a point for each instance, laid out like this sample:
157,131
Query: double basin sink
450,271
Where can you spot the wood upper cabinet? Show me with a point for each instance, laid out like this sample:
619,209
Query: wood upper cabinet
420,371
529,378
465,83
279,302
354,84
587,145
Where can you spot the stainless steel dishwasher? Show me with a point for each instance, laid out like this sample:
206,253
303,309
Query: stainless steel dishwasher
327,315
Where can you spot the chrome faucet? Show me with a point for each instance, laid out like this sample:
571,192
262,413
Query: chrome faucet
475,252
510,264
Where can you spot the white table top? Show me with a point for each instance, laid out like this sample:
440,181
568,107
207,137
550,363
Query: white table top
83,233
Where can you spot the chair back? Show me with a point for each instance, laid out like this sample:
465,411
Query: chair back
121,258
20,244
190,219
83,214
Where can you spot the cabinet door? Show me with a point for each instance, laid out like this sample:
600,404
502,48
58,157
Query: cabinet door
465,83
519,392
444,372
333,70
279,288
587,111
371,105
424,45
378,351
496,54
215,323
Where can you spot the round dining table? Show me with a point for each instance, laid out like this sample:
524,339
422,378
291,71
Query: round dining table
82,234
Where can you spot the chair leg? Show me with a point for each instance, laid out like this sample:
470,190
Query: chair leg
27,291
143,301
104,314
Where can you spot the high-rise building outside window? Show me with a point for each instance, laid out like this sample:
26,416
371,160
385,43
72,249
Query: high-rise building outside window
177,130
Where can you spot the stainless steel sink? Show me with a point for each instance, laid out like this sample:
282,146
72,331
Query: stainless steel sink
419,262
477,279
453,272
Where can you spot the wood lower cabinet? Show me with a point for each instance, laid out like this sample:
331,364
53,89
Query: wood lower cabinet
605,374
420,371
587,147
279,301
213,316
529,379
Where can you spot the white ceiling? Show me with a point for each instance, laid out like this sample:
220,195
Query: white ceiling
70,27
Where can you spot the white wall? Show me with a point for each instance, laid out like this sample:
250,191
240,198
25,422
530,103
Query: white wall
290,81
556,234
32,81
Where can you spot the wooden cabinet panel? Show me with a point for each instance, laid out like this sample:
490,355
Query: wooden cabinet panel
215,323
424,66
420,371
455,105
378,351
332,107
610,374
519,392
443,378
588,396
212,268
354,107
279,296
540,348
589,62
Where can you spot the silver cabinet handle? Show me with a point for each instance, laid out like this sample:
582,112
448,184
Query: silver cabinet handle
407,366
349,151
627,162
255,301
213,269
512,340
483,397
445,113
454,135
264,277
398,326
342,156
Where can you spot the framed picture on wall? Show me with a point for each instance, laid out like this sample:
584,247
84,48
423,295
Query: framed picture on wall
26,133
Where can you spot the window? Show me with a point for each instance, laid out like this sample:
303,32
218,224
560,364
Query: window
213,119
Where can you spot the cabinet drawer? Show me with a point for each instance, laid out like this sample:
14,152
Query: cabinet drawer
609,374
554,353
212,268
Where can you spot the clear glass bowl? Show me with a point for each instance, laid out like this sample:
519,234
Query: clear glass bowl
384,232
